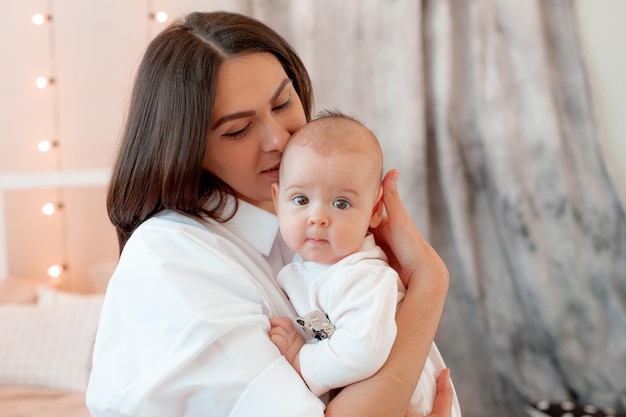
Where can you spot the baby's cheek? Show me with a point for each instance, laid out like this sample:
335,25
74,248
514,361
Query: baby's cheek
293,235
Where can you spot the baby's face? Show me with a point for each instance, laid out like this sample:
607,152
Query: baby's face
325,203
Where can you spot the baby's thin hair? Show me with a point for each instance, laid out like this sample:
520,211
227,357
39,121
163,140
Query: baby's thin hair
326,134
334,113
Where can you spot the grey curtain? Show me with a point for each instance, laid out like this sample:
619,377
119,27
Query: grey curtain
485,108
522,208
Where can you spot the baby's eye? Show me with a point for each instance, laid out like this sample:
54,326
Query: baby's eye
300,200
341,204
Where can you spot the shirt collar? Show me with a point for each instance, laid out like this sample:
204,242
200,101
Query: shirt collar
254,225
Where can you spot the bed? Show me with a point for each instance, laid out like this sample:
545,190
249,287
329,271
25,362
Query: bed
46,344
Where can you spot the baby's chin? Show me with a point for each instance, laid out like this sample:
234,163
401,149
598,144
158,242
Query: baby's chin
322,258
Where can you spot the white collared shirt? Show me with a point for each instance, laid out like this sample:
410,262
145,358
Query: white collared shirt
184,324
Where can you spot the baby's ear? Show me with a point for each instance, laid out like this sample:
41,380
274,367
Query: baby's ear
275,196
379,208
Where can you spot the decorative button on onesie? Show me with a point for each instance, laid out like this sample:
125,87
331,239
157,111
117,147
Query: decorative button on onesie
316,324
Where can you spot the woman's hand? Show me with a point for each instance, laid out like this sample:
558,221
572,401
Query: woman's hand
423,272
409,254
442,406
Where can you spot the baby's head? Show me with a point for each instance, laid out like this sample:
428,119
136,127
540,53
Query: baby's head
330,190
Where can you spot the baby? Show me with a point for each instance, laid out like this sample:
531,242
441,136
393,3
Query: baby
340,283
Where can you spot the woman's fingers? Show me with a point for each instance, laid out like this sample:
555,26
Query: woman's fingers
403,243
442,406
391,196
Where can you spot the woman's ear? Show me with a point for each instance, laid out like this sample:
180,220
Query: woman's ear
379,208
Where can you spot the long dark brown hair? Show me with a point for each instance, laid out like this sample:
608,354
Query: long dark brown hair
159,164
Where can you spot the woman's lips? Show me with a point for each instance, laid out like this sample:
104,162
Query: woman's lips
272,172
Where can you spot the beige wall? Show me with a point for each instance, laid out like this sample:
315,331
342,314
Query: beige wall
92,49
96,46
604,38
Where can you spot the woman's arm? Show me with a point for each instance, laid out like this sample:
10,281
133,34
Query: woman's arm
387,393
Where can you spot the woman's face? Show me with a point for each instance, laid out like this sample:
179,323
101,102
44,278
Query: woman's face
255,112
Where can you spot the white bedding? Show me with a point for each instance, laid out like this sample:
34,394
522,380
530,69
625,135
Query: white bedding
46,343
16,401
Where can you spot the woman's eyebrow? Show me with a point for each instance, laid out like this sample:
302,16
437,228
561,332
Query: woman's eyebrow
280,89
228,117
248,113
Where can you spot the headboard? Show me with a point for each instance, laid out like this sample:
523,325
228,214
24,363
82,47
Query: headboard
41,180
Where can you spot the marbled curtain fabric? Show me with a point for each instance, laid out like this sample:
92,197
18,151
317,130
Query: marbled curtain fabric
485,108
522,208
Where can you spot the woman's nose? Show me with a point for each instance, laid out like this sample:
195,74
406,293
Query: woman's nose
277,136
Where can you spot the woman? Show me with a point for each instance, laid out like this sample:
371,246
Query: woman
184,327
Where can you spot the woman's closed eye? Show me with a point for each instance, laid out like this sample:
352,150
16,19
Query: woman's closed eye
242,132
239,133
283,105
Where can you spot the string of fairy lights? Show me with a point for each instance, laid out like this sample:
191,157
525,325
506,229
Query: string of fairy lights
53,143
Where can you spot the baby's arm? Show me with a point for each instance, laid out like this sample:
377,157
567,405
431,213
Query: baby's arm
284,335
361,304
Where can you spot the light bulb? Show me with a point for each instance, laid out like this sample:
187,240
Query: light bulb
48,209
55,271
45,145
43,82
160,17
39,18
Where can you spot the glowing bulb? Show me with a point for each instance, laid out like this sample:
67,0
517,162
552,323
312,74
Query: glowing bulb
55,271
43,82
46,145
39,18
48,209
160,17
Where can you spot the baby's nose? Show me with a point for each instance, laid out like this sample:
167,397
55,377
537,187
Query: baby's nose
318,220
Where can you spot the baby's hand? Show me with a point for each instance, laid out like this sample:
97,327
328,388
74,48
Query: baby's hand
284,335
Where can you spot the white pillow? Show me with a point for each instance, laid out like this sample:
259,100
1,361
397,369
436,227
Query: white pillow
49,295
18,290
49,344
